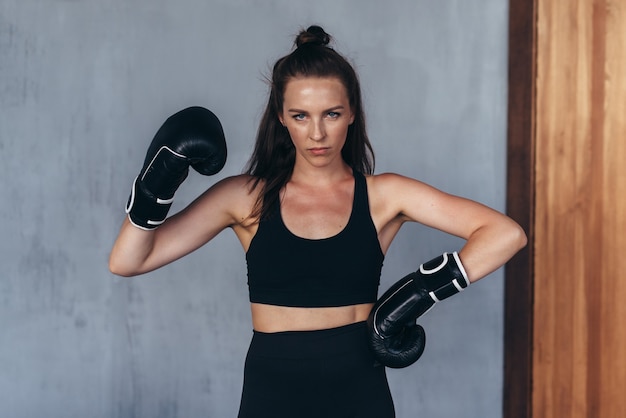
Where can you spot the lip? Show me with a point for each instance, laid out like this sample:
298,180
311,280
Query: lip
319,150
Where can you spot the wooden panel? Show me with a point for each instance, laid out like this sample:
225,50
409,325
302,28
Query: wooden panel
579,367
563,202
611,398
518,312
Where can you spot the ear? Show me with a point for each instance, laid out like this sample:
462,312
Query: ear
351,117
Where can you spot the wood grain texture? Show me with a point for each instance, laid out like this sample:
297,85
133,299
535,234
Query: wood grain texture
612,401
579,367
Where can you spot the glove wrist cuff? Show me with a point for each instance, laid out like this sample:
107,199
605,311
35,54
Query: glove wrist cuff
146,211
443,276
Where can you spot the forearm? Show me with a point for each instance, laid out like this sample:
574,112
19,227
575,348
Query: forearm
131,250
490,247
395,339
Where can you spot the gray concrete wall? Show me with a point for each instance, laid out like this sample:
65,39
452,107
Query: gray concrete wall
84,84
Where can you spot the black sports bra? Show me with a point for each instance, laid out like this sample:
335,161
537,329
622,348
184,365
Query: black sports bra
342,270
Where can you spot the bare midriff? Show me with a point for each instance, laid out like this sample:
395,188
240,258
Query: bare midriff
271,318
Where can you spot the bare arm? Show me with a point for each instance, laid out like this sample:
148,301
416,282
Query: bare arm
137,251
492,238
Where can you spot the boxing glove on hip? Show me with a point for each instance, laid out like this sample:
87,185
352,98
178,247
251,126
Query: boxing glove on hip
394,337
192,137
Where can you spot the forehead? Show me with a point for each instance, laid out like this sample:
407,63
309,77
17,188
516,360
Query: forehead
312,91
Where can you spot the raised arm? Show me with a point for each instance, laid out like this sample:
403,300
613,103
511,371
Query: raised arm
192,137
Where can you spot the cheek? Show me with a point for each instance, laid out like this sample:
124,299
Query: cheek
294,133
343,131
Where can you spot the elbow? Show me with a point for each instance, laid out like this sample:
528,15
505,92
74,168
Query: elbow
519,238
120,272
524,240
119,269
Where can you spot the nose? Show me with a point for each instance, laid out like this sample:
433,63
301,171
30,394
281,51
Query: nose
317,130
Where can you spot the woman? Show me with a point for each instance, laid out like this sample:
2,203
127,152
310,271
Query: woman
315,224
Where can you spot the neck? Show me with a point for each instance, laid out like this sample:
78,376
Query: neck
320,176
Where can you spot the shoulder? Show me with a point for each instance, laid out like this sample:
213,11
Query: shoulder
233,195
401,196
236,183
238,186
388,185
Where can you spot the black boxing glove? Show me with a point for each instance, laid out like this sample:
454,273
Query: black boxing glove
192,137
394,337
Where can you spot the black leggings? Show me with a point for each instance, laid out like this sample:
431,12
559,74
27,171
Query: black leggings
323,374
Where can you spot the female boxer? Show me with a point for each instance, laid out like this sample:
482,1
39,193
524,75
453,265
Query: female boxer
315,223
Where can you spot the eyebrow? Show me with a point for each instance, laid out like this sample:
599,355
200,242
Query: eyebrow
338,107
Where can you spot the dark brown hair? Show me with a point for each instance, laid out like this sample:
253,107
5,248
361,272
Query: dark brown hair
273,157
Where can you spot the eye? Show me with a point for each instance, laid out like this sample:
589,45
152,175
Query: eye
334,115
299,116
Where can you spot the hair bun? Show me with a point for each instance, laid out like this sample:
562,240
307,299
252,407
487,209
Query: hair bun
314,35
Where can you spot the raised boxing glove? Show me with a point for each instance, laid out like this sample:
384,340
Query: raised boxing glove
192,137
394,337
